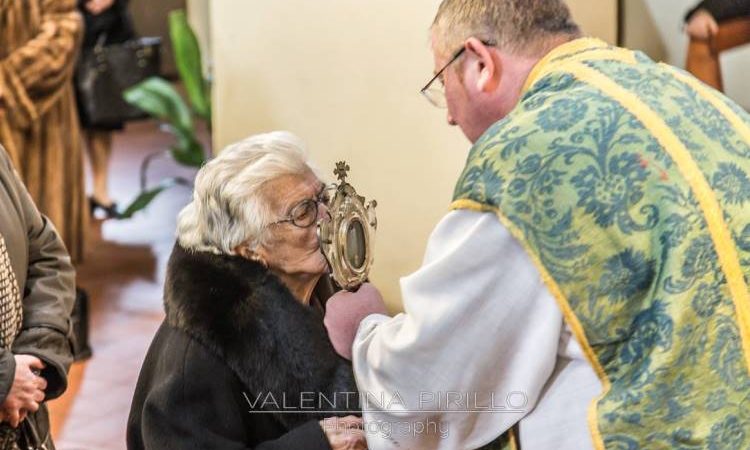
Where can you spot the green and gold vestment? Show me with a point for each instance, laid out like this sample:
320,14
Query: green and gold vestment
628,183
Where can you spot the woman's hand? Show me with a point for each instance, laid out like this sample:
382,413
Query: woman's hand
702,25
97,7
345,433
27,391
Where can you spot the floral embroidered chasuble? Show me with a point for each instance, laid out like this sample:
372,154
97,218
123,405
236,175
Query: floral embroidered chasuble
628,183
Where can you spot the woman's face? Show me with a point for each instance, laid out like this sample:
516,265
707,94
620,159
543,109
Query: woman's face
288,249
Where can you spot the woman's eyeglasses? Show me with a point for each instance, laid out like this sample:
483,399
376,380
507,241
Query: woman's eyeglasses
305,213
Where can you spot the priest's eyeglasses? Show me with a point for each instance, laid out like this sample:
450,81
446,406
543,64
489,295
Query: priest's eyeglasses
435,92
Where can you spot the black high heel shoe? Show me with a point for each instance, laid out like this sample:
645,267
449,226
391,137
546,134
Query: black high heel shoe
110,211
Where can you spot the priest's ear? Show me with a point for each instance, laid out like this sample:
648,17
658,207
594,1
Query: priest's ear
486,62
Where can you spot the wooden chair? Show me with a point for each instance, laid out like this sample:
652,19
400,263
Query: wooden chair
703,55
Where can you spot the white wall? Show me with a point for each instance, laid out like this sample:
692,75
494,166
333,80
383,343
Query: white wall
345,76
640,30
596,18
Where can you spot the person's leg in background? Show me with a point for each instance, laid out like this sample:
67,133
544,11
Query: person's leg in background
99,149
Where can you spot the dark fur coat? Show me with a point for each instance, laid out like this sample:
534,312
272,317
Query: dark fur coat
234,334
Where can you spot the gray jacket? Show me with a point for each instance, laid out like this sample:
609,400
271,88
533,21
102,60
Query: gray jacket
46,278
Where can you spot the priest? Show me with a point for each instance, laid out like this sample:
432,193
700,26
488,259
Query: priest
589,287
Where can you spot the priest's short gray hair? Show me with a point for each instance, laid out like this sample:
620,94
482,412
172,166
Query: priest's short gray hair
229,207
518,26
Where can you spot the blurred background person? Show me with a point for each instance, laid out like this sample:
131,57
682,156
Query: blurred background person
714,27
36,298
39,127
106,22
702,22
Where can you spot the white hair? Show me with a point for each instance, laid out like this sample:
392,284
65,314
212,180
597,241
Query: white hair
228,207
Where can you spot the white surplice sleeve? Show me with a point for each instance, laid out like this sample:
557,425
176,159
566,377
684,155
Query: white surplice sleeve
473,350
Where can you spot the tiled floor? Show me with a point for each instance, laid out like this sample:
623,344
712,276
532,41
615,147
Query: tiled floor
123,274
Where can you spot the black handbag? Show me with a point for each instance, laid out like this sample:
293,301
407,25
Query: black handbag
105,72
80,325
30,439
25,437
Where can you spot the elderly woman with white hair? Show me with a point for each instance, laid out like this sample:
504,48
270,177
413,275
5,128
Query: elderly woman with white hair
242,359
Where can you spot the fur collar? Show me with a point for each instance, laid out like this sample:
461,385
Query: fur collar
246,316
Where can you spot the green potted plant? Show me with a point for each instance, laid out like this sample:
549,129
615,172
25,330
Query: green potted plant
160,99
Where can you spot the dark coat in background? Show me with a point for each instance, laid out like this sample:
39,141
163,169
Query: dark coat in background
113,26
46,279
234,334
722,10
114,23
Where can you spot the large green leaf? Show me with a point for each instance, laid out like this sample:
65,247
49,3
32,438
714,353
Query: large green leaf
189,153
159,98
187,54
148,195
